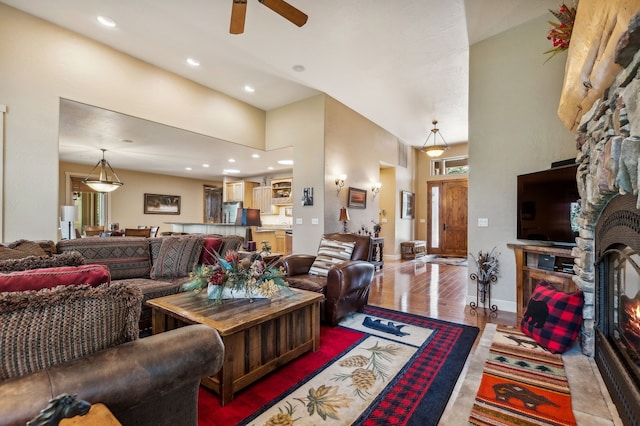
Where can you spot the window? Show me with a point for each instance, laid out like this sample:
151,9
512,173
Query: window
450,166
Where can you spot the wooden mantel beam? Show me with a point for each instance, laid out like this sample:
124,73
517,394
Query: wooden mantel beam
590,67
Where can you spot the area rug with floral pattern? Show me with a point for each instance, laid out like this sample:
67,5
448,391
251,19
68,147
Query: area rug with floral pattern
376,367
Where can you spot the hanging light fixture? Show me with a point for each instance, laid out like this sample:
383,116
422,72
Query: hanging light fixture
436,149
106,181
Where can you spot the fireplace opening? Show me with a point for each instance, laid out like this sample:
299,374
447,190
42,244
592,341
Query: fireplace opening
617,302
621,317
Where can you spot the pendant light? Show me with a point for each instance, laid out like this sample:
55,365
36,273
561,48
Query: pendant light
106,181
436,149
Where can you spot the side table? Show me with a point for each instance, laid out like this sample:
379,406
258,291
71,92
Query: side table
376,252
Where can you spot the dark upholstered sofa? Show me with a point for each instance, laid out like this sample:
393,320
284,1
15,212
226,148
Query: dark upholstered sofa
347,282
83,340
157,266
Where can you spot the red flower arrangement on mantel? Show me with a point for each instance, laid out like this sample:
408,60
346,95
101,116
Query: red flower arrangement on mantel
560,32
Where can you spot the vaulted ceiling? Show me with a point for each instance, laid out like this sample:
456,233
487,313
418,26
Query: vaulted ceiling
399,63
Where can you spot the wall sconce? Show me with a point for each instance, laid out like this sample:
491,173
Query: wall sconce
340,183
375,189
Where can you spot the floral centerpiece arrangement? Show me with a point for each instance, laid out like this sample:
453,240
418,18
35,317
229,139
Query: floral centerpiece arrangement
250,277
560,32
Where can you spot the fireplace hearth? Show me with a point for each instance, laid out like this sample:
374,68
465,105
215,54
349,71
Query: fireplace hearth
617,349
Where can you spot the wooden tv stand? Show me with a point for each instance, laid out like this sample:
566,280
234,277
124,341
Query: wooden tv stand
529,273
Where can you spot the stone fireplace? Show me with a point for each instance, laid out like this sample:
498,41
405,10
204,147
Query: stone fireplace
606,253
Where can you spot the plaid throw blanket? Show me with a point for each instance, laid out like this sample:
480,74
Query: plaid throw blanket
522,384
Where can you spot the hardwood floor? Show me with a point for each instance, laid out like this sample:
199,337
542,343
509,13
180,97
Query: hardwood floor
433,290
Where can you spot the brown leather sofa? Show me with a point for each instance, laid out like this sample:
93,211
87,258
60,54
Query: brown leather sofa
150,381
346,287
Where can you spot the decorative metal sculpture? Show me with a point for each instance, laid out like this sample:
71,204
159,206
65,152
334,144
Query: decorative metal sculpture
63,406
487,264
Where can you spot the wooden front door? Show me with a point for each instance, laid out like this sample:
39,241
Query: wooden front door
447,227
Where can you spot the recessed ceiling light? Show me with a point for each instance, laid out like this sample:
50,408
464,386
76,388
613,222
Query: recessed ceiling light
298,68
269,168
231,160
249,89
285,162
230,171
106,21
193,62
205,165
187,168
255,155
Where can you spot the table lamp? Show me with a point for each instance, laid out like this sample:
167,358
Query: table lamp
248,218
344,217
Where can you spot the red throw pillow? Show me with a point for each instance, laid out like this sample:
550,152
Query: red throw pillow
37,279
553,317
209,246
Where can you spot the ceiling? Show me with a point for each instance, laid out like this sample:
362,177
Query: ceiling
399,63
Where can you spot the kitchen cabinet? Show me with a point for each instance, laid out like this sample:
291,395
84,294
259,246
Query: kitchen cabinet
241,190
262,199
280,242
281,191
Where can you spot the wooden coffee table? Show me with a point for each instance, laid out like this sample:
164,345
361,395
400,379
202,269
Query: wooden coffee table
258,336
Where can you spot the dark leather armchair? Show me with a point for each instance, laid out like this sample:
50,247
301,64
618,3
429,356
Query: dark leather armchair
150,381
346,287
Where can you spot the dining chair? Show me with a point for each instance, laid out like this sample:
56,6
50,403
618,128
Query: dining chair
134,232
93,231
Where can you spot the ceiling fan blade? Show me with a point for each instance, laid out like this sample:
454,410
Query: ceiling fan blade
287,11
238,13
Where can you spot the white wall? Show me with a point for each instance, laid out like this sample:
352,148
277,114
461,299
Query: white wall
513,129
301,125
357,147
40,63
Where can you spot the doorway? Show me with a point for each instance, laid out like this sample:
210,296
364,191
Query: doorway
447,217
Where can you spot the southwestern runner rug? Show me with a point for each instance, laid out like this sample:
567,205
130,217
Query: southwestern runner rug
379,367
522,384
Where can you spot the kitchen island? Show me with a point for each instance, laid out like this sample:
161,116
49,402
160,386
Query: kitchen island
208,228
275,235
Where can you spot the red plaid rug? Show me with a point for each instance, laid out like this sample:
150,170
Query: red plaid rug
522,384
380,367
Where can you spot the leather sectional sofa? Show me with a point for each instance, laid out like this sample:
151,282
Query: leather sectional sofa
157,266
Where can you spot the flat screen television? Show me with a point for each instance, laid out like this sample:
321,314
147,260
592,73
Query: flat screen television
548,205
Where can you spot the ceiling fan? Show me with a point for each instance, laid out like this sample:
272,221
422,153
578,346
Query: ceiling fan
281,7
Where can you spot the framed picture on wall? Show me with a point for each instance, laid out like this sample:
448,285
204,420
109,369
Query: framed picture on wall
307,196
357,198
407,205
161,204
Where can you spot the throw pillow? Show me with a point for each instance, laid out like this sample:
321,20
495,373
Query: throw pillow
30,248
331,252
39,329
553,317
231,242
209,247
71,258
37,279
177,257
9,253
